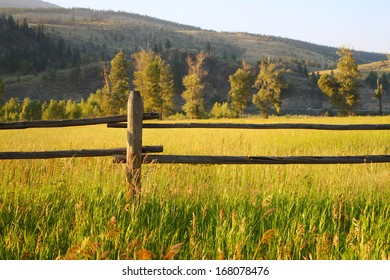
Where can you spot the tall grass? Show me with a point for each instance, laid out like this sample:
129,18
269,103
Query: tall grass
77,208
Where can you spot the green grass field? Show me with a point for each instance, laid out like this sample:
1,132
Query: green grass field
77,208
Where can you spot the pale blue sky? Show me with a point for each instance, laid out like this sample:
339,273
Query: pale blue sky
357,24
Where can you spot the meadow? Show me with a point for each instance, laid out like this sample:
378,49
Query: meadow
77,208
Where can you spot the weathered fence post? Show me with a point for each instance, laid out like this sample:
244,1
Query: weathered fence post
134,143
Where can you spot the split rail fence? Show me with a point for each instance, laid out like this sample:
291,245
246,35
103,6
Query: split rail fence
134,154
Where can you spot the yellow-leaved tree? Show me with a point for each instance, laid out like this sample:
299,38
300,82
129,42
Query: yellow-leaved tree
269,83
193,94
342,85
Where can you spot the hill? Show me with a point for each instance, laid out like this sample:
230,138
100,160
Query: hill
98,35
111,31
26,4
379,66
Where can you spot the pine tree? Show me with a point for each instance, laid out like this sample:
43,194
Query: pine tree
240,84
168,44
119,80
113,96
154,79
11,22
167,86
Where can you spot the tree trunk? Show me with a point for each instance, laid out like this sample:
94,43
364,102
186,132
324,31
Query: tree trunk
266,109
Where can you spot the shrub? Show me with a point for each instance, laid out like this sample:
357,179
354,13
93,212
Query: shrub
221,111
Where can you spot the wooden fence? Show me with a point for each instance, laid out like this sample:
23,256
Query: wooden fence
134,154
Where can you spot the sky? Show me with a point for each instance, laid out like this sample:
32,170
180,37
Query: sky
356,24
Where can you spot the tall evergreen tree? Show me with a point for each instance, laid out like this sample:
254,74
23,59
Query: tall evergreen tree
113,96
167,86
270,85
342,86
142,60
11,22
153,78
240,83
24,27
168,44
313,78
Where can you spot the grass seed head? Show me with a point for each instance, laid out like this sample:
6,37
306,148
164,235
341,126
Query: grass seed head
144,255
173,250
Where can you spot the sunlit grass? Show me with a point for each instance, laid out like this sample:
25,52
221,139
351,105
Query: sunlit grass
77,208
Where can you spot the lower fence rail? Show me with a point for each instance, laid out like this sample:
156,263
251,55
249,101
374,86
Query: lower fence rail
185,159
259,126
75,153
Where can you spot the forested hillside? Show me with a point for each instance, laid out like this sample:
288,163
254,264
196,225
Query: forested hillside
29,50
107,31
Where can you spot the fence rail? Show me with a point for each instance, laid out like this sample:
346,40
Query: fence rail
261,160
260,126
76,122
75,153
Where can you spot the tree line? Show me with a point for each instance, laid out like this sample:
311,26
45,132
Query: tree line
154,79
28,110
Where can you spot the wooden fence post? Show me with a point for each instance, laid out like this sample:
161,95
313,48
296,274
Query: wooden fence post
134,143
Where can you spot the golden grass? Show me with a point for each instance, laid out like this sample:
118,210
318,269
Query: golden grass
77,208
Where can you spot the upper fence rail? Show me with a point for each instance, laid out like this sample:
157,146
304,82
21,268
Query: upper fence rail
75,122
118,122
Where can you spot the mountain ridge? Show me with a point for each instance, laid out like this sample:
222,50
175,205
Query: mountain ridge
26,4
